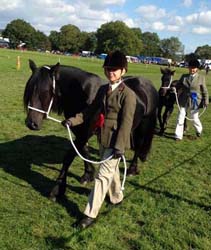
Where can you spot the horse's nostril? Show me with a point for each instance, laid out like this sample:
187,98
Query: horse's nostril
32,125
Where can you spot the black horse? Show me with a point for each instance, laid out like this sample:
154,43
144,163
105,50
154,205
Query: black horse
74,90
167,98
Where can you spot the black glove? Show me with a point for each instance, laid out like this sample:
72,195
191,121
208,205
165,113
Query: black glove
66,123
117,154
203,104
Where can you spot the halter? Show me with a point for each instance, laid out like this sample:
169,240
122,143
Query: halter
169,86
70,135
50,104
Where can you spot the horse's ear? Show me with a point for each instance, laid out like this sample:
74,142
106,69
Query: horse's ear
55,70
32,65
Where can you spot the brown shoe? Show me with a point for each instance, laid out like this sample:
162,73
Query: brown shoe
86,222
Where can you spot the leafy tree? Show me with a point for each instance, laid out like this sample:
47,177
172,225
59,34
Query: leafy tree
137,32
83,38
69,38
91,42
88,41
170,47
116,35
54,39
20,31
203,52
41,41
151,44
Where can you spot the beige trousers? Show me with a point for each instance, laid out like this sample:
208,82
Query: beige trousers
106,181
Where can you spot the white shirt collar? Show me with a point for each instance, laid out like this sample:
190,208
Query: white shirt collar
115,85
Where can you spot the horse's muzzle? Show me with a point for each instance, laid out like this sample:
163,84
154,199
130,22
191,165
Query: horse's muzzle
32,125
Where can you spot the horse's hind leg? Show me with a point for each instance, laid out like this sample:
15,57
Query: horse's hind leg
89,170
142,148
185,125
133,169
146,133
138,141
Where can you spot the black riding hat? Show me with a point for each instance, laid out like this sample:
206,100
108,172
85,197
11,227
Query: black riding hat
116,59
194,63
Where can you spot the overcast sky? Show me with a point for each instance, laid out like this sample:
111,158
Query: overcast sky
189,20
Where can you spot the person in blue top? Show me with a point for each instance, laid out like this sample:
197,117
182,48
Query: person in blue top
194,96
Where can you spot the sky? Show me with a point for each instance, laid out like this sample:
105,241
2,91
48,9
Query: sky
189,20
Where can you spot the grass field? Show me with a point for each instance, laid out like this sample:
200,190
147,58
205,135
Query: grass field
166,207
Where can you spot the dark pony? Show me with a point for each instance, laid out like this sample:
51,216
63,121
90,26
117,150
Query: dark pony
167,98
74,90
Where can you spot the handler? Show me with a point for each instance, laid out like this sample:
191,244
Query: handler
194,96
117,104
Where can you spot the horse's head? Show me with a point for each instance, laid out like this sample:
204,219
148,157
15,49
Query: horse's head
166,80
38,93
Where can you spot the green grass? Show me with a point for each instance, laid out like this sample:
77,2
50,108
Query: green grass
166,207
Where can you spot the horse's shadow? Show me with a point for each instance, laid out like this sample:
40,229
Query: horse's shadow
18,158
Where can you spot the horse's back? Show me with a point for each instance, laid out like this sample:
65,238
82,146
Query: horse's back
146,93
87,83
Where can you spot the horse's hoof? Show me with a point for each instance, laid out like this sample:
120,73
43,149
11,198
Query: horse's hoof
83,182
132,171
143,158
161,133
57,192
52,198
86,178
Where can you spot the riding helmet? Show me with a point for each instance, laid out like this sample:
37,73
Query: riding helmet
194,63
116,59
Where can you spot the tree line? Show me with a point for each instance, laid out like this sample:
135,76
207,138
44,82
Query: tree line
110,36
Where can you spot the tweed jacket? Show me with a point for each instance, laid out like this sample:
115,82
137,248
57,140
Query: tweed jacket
189,86
118,108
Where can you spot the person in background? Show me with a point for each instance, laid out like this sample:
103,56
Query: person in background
194,96
117,104
207,69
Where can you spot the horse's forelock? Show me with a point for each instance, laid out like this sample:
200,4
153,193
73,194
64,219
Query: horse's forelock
36,83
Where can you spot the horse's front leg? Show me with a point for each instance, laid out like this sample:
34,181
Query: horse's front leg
166,116
60,187
89,169
160,116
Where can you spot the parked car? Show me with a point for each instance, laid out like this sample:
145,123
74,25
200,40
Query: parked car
182,65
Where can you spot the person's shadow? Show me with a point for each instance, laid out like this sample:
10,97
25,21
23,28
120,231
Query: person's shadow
17,158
